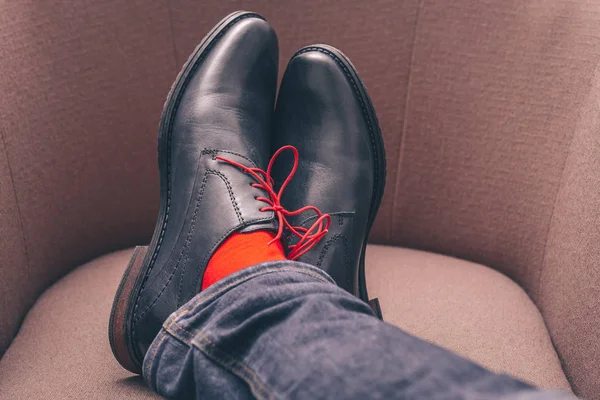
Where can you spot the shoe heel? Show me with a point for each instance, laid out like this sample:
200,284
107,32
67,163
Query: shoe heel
374,303
118,323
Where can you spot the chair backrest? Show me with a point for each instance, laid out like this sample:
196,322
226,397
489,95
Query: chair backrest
489,111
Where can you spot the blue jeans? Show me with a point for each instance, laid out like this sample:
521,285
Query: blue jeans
284,330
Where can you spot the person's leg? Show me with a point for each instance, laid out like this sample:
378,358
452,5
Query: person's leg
285,330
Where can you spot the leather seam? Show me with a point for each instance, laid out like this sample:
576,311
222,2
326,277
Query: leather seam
181,256
328,244
237,211
213,152
231,195
342,214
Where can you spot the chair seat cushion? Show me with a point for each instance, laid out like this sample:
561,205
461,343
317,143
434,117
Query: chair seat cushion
468,308
62,349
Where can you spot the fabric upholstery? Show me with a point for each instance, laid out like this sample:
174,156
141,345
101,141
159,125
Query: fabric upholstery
62,349
467,308
496,88
498,155
498,92
82,90
570,280
14,298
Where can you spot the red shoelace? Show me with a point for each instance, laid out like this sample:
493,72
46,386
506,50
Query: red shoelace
308,237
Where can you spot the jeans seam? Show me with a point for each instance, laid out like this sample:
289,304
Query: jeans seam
243,279
250,377
163,335
221,357
161,339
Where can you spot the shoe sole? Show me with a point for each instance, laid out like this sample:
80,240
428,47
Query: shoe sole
376,137
142,260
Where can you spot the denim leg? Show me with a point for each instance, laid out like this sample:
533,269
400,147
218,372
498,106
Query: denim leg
283,330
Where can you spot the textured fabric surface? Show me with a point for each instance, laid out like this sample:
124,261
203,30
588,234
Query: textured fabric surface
499,155
14,297
570,281
62,349
82,90
467,308
495,92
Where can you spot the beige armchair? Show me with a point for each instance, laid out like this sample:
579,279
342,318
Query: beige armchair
491,217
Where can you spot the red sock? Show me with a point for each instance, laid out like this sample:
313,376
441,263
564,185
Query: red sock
241,250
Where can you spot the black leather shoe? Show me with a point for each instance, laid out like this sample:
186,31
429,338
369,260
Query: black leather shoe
323,110
221,105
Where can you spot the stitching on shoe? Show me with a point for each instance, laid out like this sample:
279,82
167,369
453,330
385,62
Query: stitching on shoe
328,244
214,152
340,214
231,195
331,241
183,258
183,250
237,211
240,220
190,73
